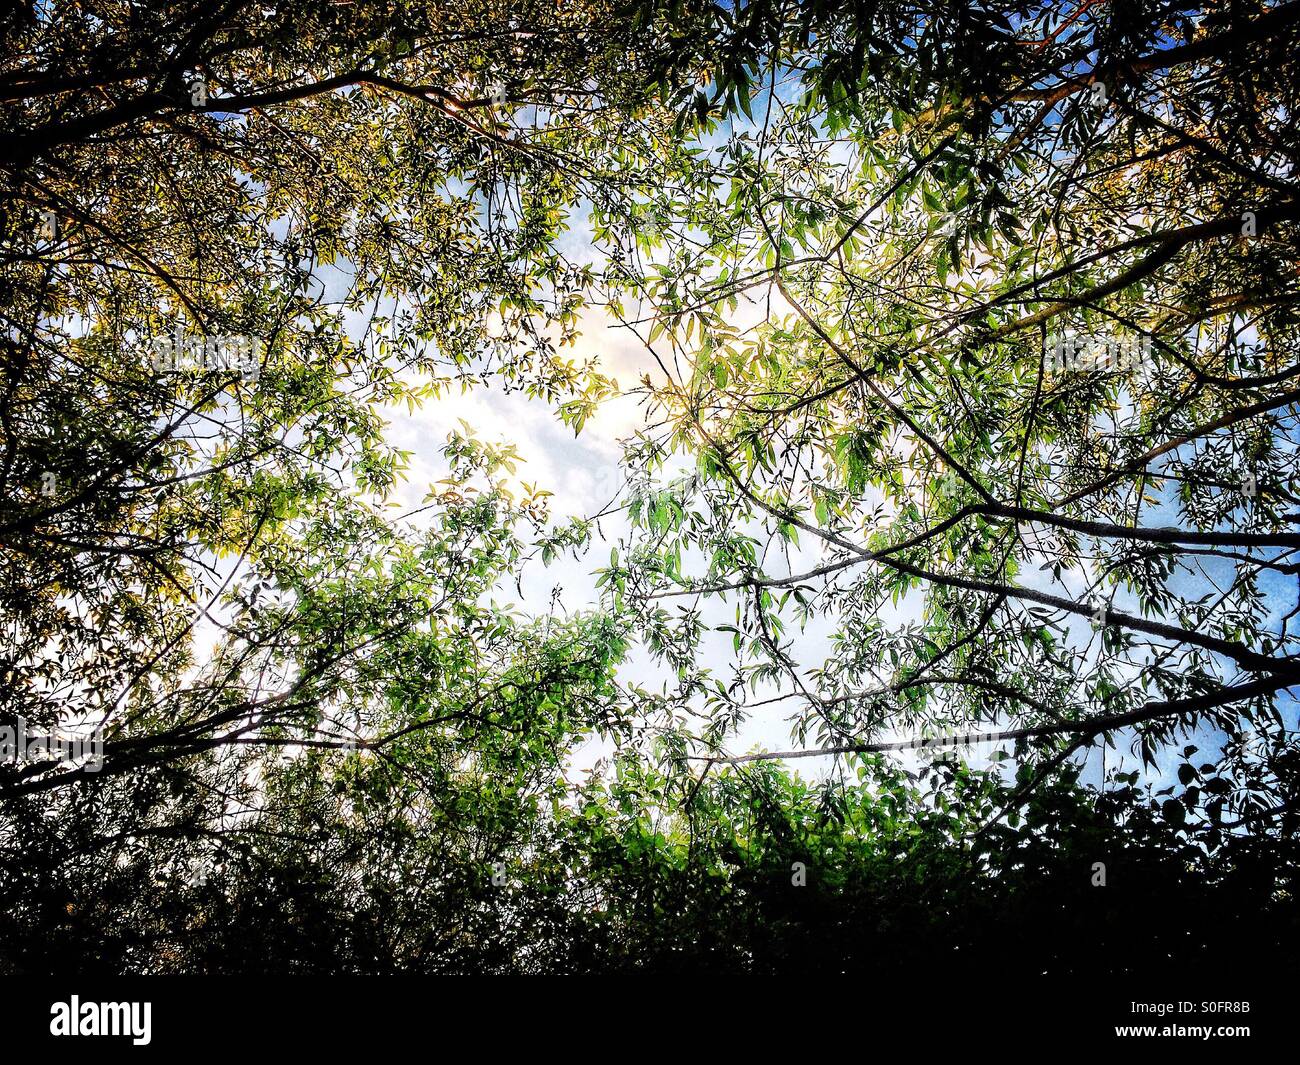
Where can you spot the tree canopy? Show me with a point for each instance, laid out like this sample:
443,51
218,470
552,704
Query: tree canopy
969,398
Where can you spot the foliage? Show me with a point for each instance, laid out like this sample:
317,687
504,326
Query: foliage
852,288
846,235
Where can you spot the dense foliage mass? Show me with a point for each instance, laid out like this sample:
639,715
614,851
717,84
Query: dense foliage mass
878,490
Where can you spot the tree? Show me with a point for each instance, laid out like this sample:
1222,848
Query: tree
1014,405
231,237
1007,420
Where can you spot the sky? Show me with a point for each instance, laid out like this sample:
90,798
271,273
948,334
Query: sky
584,473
